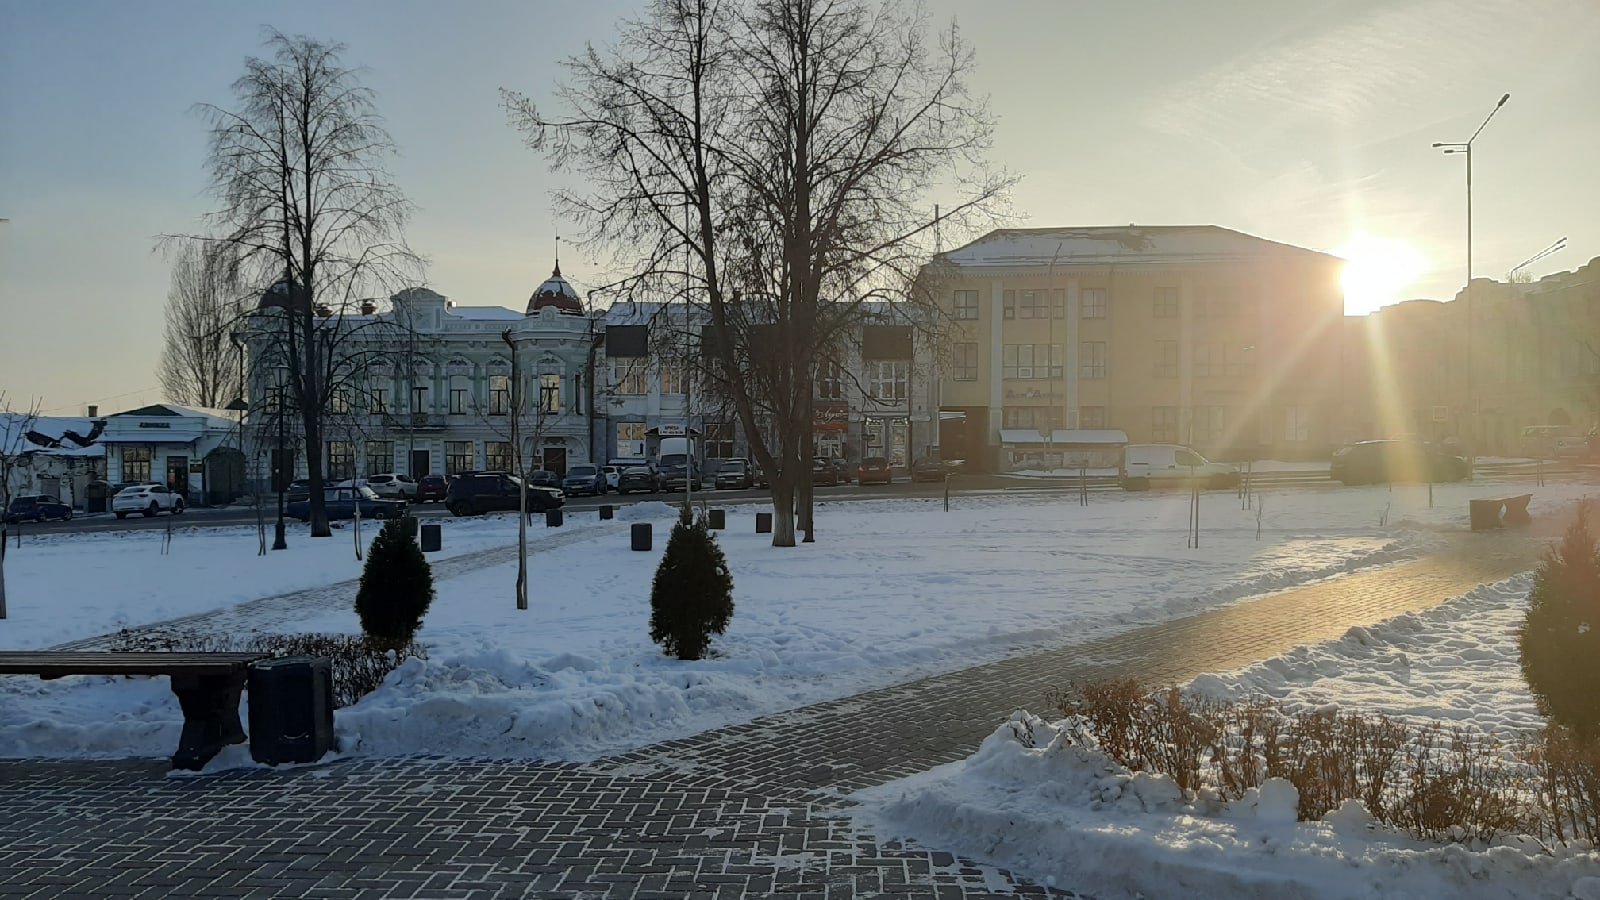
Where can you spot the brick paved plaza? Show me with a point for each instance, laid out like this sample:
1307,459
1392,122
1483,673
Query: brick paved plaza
755,809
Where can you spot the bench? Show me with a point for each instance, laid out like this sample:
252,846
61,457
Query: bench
1495,512
207,684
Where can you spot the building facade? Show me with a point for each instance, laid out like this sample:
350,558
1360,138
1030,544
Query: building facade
1197,335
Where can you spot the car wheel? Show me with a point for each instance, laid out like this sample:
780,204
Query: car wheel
122,515
177,508
67,516
152,510
460,508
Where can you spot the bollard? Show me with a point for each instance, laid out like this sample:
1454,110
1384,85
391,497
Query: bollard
641,535
605,512
432,537
763,523
552,518
716,519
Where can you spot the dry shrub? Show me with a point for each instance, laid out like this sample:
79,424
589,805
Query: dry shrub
1565,783
359,663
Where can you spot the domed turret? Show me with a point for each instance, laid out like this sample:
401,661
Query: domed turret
558,293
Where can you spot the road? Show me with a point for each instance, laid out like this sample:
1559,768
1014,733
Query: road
234,516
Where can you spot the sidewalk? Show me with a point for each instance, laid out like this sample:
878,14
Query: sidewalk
750,810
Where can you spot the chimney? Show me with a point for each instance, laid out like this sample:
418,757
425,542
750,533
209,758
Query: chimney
94,411
368,307
324,311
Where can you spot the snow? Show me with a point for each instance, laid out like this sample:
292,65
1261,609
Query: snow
892,590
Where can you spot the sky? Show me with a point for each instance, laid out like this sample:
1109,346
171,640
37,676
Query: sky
1308,123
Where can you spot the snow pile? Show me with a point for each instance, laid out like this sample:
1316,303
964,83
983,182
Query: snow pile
1041,800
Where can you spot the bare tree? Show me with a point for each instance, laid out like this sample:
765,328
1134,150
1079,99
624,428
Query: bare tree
305,200
519,458
776,159
14,448
205,303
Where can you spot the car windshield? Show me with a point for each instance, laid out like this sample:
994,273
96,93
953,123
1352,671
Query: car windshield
581,472
734,466
673,459
636,470
875,461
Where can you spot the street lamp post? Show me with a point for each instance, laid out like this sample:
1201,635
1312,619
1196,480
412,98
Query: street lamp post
1465,147
278,541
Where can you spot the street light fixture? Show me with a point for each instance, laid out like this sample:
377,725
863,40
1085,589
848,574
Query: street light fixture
1465,147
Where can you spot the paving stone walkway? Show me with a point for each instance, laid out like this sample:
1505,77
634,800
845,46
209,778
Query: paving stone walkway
751,810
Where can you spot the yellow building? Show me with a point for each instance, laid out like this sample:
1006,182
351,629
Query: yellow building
1185,334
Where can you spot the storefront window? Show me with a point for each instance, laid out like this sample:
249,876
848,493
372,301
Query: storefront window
630,440
457,457
136,463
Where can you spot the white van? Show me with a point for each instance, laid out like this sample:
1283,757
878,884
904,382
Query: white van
1172,465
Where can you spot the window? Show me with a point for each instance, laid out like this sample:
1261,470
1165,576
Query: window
1091,417
630,440
1047,418
1034,305
965,364
1212,304
419,398
341,460
628,377
380,457
1058,303
1093,303
966,305
1092,359
499,395
497,456
673,379
1296,424
1024,361
550,395
458,400
136,463
888,380
1010,304
339,403
719,440
1238,358
1164,424
380,400
1166,359
830,381
1166,306
1207,361
458,457
1210,425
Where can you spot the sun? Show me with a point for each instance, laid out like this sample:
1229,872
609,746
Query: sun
1377,271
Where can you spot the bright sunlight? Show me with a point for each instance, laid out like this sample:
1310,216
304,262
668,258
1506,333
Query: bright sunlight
1377,270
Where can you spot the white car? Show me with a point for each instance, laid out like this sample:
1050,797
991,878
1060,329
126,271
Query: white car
146,500
613,475
1172,465
393,486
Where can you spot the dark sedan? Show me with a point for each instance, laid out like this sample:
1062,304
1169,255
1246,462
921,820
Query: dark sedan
432,488
734,475
584,480
37,508
825,470
929,468
342,503
1379,462
637,478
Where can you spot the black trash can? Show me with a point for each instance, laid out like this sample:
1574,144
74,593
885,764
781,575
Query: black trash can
409,524
716,519
641,535
96,497
605,512
763,523
552,518
432,537
291,710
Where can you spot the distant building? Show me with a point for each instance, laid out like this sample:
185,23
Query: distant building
195,452
1185,334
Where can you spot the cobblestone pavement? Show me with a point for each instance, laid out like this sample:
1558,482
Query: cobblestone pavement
749,810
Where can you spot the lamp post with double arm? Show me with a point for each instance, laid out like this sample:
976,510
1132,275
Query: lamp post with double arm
278,475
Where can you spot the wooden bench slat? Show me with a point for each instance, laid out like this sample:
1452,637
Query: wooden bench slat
56,664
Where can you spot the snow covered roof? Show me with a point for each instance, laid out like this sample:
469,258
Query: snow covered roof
485,313
1149,244
62,435
1064,436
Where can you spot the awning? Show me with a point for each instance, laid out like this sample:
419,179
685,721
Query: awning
1065,437
151,437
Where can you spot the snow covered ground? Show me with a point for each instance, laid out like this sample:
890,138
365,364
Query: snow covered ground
892,590
1055,811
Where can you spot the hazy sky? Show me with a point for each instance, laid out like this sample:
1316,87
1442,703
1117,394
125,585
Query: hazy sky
1305,122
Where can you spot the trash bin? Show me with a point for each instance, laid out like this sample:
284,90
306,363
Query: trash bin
716,519
606,511
763,523
96,497
409,524
641,535
552,518
291,710
432,537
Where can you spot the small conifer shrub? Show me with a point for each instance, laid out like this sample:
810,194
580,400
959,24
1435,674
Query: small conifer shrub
1560,638
396,585
691,598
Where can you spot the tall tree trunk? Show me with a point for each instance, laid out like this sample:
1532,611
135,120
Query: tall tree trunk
783,491
4,534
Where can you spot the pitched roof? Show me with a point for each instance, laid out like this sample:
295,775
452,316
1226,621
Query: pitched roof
1101,245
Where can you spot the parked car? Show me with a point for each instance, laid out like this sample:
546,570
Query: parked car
874,470
929,468
38,508
342,503
147,500
475,493
432,488
1377,462
299,489
733,475
544,478
637,478
825,470
393,486
121,486
1553,442
584,480
1145,466
673,468
613,475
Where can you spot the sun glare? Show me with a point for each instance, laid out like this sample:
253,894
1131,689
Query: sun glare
1377,271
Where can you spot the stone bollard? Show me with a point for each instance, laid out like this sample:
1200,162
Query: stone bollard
716,519
605,512
763,523
552,518
641,535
